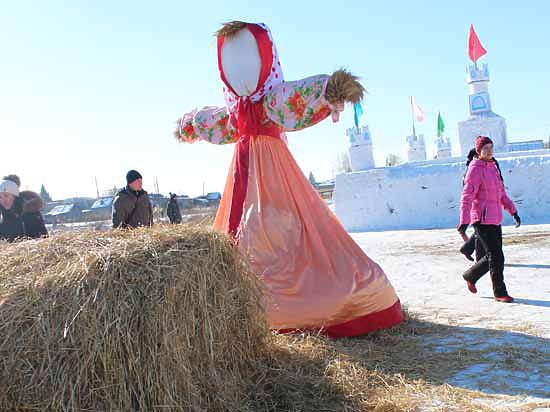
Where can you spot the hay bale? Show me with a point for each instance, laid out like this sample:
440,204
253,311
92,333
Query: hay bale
152,319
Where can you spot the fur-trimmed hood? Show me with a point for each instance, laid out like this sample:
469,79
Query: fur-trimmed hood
32,202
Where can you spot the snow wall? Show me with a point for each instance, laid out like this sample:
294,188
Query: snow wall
426,195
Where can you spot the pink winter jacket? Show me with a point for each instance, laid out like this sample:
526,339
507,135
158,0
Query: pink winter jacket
484,195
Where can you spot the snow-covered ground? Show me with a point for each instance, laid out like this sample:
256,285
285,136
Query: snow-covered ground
512,339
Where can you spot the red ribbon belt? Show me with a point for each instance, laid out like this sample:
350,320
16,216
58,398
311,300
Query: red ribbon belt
248,125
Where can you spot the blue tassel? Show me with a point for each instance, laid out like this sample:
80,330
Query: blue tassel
357,113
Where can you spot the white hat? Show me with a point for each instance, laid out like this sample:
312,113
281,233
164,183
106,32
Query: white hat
7,186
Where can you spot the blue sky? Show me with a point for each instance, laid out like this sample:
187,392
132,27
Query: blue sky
92,89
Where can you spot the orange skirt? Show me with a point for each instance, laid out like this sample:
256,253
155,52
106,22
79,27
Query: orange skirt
315,275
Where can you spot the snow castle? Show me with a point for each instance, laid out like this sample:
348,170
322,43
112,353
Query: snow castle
416,148
482,120
425,194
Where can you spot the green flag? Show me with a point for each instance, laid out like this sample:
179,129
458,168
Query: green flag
440,125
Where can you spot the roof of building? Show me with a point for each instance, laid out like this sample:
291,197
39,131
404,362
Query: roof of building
103,202
61,209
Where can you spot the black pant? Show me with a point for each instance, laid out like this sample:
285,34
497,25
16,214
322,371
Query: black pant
490,237
471,245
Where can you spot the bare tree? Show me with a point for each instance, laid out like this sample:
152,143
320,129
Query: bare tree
45,195
343,163
312,179
110,192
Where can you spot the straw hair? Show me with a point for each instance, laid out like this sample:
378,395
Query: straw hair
230,29
151,319
344,87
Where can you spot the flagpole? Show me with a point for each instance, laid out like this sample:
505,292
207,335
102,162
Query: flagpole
412,117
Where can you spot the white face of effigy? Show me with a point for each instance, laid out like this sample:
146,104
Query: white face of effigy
241,62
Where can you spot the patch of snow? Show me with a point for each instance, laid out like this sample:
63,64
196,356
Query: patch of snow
425,268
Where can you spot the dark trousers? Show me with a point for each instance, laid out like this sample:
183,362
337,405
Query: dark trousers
471,245
490,237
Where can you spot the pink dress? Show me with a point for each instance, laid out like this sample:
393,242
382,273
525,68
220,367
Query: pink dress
316,276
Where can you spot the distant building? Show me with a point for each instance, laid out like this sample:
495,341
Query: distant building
184,202
66,213
326,189
101,210
210,199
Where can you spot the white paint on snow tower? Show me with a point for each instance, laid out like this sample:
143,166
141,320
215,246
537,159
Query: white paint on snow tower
442,148
482,120
360,150
416,148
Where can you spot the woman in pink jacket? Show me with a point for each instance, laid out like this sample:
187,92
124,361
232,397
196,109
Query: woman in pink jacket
481,205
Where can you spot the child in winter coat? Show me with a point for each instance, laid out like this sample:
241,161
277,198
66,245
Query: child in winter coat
472,244
482,200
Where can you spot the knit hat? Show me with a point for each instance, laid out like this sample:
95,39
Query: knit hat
132,176
482,141
8,186
14,178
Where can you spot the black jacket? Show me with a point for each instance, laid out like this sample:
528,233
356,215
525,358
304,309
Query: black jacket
173,211
11,222
24,219
32,216
132,209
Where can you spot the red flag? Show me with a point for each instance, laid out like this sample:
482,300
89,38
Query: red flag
475,49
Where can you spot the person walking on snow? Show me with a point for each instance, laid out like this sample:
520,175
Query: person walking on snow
472,244
481,203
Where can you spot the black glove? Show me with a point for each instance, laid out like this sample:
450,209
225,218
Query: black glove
462,228
517,219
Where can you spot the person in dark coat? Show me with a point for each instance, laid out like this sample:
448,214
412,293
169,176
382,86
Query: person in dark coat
32,214
29,205
11,222
173,210
132,207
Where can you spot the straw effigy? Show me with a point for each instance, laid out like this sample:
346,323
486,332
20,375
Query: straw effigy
151,319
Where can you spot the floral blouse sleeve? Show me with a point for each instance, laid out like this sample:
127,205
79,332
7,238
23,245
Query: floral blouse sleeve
210,124
299,104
